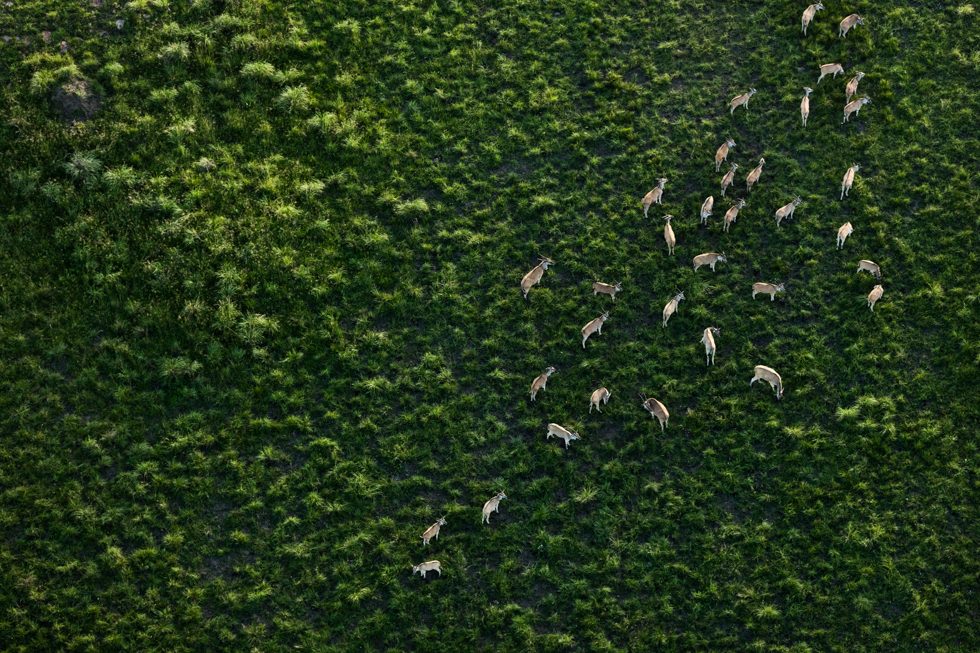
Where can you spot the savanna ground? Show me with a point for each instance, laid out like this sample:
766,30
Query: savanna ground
260,326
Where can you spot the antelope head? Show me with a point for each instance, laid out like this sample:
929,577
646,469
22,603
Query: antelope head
752,91
865,100
860,76
661,182
604,316
715,330
740,204
781,287
734,167
619,286
807,90
797,201
679,296
551,370
501,495
819,6
856,167
762,161
722,257
730,143
668,218
545,262
860,20
441,521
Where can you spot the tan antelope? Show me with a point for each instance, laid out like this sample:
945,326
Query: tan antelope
731,214
834,69
600,396
433,531
864,265
805,104
671,306
594,326
606,289
533,277
728,179
761,287
741,100
669,235
540,381
770,376
560,432
845,187
852,86
656,409
848,23
492,505
786,212
722,153
425,567
654,196
843,232
753,176
854,107
708,340
709,204
874,296
809,13
710,259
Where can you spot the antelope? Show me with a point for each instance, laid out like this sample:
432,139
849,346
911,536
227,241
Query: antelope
600,396
671,306
852,86
722,153
854,107
540,381
606,289
830,69
869,266
809,13
805,104
425,567
708,340
728,179
669,235
730,216
753,176
654,196
709,259
433,531
706,208
492,505
770,376
845,187
533,277
741,100
843,232
874,296
848,23
767,289
594,326
656,409
786,212
559,431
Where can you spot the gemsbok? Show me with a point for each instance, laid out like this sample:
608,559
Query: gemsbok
710,259
809,13
606,289
671,307
540,381
843,232
834,69
845,187
805,104
848,23
722,153
854,107
763,288
708,340
709,204
533,277
753,177
786,212
594,326
731,214
656,409
864,265
728,179
559,431
655,196
741,100
669,235
492,505
600,396
771,377
874,296
433,531
425,567
852,86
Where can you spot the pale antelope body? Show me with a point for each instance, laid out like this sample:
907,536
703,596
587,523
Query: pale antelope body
559,431
722,153
771,377
600,396
433,531
786,212
594,326
657,410
710,259
852,86
761,287
874,296
854,107
540,381
843,232
533,277
606,289
869,266
753,176
492,505
805,104
654,196
730,215
848,23
669,235
809,13
834,69
671,306
728,179
741,100
708,340
845,187
425,567
706,209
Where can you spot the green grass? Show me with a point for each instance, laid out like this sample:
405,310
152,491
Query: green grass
260,326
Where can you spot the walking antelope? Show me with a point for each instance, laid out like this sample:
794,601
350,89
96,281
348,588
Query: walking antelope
708,340
869,266
848,23
741,100
669,235
830,69
786,212
710,259
654,196
722,153
559,431
728,179
852,86
854,107
594,326
671,306
874,296
492,505
771,377
540,381
753,176
761,287
433,531
730,216
425,567
809,13
656,409
533,277
843,232
600,396
606,289
845,187
805,104
706,208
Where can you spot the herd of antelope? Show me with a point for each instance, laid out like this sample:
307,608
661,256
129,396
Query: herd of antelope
655,407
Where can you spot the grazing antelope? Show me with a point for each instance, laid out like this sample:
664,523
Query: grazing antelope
708,340
869,266
425,567
654,196
606,289
671,306
786,212
843,232
540,381
852,86
845,187
722,153
706,209
600,396
533,277
669,235
710,259
753,176
492,505
594,326
731,214
767,289
809,13
770,376
830,69
656,409
433,531
559,431
874,296
805,104
728,179
854,107
848,23
741,100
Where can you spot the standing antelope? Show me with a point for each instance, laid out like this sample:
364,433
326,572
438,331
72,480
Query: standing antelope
656,409
786,212
854,107
671,306
433,531
706,208
843,232
741,100
540,381
805,104
869,266
600,396
606,289
425,567
731,214
594,326
533,277
654,196
710,259
708,340
492,505
669,235
559,431
874,296
845,187
809,13
753,176
852,86
770,376
761,287
830,69
728,179
722,153
848,23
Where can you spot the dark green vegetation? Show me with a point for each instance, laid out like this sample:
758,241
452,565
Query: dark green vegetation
260,326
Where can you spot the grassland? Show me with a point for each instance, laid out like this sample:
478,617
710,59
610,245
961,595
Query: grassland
260,326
